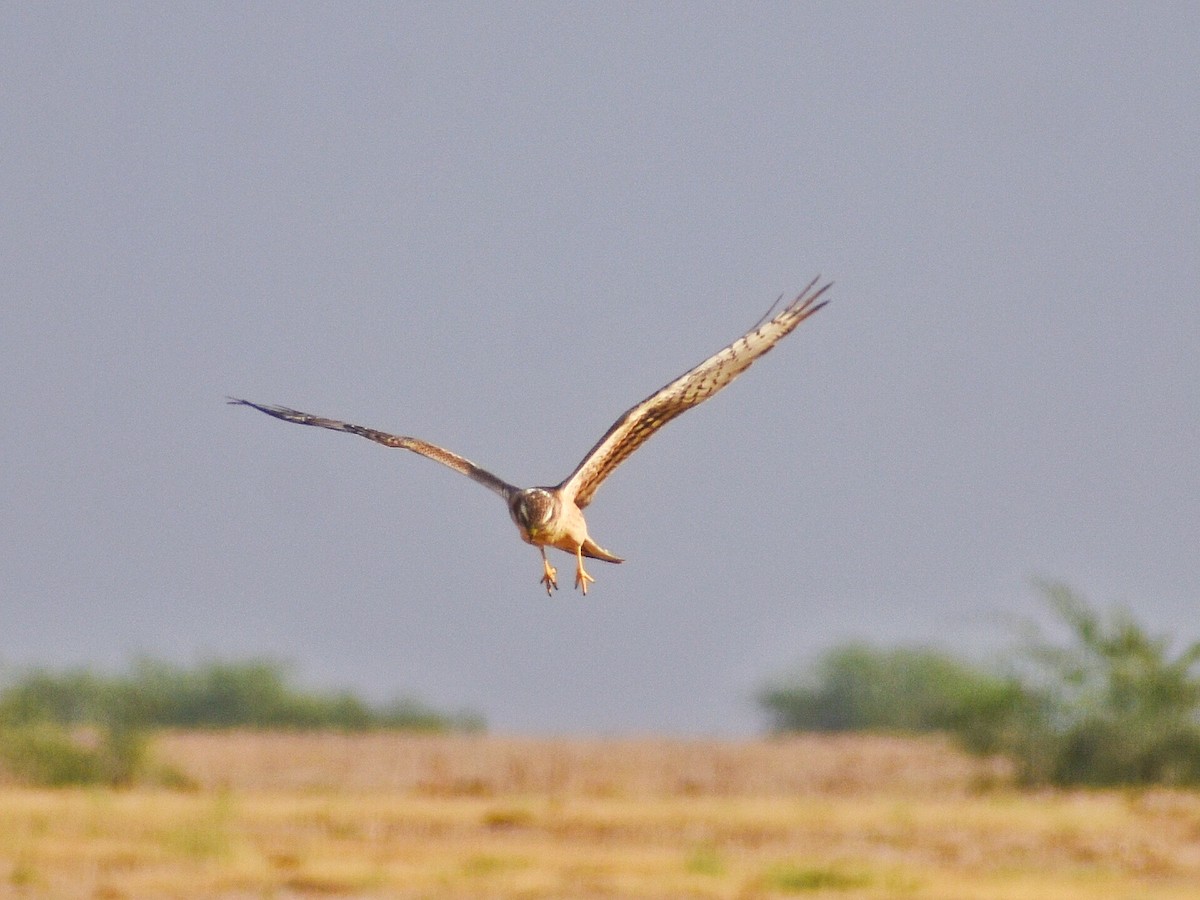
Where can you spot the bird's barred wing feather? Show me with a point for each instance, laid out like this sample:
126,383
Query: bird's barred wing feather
692,388
434,452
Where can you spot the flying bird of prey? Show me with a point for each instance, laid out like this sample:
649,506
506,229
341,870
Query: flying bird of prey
553,516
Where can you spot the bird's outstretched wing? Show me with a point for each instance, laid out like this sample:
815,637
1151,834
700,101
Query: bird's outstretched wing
636,426
434,452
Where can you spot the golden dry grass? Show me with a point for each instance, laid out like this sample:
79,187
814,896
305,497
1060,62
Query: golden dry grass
472,816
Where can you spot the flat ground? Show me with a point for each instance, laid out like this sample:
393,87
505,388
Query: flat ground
386,815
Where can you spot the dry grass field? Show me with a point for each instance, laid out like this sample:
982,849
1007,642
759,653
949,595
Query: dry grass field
388,815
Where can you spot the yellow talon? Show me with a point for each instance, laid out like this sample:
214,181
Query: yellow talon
581,577
549,575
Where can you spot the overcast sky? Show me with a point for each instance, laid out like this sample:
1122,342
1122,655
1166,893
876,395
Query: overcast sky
498,226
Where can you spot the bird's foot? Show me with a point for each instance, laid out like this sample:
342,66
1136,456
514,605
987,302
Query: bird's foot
549,577
582,579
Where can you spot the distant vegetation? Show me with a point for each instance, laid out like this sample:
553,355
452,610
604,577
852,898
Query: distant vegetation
856,687
78,726
1110,706
1104,704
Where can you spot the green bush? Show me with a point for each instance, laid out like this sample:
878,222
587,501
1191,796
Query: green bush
1120,709
1109,706
252,694
856,687
46,754
50,755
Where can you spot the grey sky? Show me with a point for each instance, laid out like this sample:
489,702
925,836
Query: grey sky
496,227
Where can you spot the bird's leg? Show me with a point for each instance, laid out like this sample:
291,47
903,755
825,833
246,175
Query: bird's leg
581,577
549,574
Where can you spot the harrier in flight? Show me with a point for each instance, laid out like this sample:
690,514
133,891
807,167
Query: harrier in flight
553,516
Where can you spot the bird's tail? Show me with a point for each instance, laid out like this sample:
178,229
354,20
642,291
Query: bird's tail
595,551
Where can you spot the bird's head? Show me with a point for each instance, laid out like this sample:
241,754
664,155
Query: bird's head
533,509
